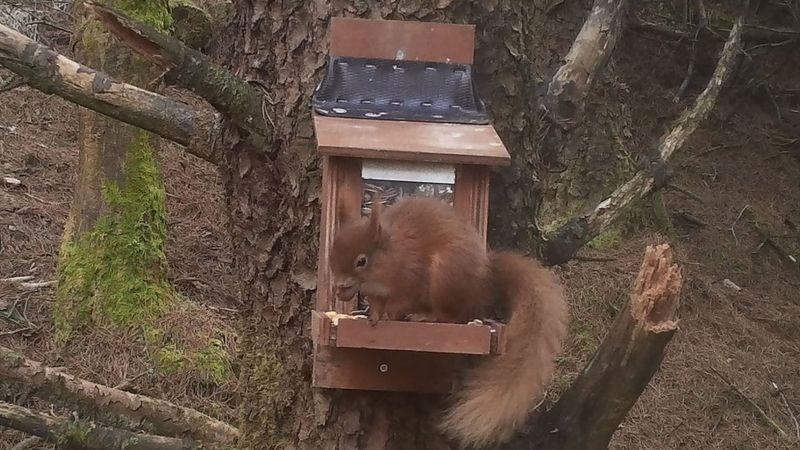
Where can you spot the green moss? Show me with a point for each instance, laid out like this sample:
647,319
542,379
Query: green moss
606,239
156,13
73,434
115,271
170,360
277,388
211,363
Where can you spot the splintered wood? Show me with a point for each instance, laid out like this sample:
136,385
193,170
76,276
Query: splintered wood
656,291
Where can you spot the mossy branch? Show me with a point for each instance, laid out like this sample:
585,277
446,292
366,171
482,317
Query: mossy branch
165,418
46,70
83,435
562,244
188,68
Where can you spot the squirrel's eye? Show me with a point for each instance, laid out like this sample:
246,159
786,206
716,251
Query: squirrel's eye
361,261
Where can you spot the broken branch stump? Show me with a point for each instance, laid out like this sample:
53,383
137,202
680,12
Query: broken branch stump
589,412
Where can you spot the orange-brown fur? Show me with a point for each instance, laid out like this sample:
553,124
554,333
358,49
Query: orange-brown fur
422,261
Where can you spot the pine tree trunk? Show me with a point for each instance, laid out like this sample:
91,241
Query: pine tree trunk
112,264
275,210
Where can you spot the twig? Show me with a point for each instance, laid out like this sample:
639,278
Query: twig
752,403
771,44
18,330
733,225
689,70
701,24
17,279
12,84
594,258
685,192
788,409
220,308
28,444
41,200
690,218
52,25
126,384
38,285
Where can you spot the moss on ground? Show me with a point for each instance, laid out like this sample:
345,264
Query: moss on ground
156,13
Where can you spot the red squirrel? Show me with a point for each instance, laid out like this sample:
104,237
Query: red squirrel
420,260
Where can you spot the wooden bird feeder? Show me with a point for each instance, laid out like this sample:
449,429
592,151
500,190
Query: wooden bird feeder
398,113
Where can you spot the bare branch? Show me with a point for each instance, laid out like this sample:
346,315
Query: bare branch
590,411
562,244
165,417
80,435
750,33
193,70
52,73
565,100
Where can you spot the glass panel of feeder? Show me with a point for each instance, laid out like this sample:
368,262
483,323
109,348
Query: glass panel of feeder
397,179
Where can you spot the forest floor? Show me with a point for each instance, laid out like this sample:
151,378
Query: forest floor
739,340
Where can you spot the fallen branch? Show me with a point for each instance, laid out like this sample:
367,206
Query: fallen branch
81,435
565,100
750,33
769,420
562,244
52,73
28,443
165,418
193,70
590,411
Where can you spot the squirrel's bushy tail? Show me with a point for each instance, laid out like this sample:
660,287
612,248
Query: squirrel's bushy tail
499,393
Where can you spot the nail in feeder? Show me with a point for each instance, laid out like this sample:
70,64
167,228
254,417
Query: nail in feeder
398,114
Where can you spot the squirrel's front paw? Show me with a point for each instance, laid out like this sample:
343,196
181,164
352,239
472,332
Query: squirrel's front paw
373,318
420,317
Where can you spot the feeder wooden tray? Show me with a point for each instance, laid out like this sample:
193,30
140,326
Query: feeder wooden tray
396,355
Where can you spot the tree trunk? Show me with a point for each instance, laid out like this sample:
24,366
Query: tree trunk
112,264
275,210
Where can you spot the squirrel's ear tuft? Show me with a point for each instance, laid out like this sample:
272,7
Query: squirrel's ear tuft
375,216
